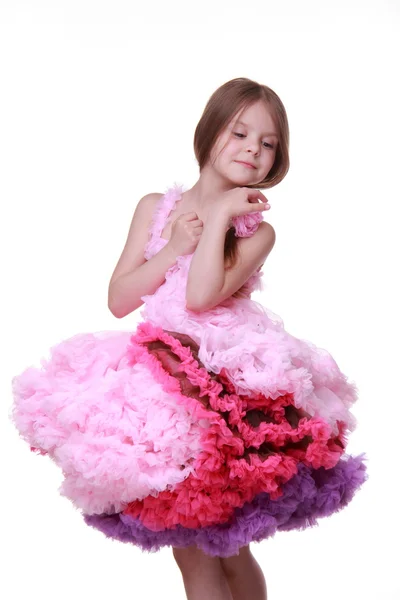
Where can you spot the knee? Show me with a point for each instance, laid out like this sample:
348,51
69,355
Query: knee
187,559
232,565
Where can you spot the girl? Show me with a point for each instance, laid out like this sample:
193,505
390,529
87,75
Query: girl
210,426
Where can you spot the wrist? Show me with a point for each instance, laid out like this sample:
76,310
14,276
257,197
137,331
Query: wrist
170,251
221,215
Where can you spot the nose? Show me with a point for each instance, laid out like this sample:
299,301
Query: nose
253,146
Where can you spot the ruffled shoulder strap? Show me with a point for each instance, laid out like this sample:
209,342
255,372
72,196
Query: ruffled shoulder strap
246,225
162,210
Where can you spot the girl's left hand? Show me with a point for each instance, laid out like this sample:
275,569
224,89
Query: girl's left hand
240,201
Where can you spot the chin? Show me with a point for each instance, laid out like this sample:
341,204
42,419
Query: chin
245,181
237,182
240,180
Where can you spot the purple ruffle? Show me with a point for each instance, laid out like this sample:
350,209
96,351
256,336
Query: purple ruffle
309,495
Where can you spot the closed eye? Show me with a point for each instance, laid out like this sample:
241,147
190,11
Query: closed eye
267,145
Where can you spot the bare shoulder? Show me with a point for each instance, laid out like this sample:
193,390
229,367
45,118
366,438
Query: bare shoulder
262,240
254,250
153,197
266,228
132,255
144,209
147,203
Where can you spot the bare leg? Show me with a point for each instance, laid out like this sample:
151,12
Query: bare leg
245,577
203,576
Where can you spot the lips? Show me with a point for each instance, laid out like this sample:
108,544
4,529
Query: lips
242,162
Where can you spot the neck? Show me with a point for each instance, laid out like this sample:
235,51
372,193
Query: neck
207,189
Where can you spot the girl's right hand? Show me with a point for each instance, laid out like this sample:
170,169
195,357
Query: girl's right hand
186,232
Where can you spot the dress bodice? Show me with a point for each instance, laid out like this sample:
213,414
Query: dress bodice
244,337
245,226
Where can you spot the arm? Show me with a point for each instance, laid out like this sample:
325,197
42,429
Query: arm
125,292
209,282
134,276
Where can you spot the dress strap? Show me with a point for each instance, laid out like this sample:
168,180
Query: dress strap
245,225
164,206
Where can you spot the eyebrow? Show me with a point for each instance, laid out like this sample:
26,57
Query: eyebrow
246,125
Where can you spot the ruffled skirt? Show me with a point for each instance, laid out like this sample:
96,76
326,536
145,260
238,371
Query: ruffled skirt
158,451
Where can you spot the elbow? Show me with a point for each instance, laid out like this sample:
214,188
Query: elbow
119,311
112,306
115,308
193,307
114,311
201,304
197,307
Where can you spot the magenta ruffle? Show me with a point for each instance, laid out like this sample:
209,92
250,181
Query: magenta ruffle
240,458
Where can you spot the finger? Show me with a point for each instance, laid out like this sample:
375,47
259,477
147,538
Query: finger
256,194
189,216
194,226
261,206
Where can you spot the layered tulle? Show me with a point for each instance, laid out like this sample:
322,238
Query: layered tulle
109,425
249,341
308,496
251,445
215,428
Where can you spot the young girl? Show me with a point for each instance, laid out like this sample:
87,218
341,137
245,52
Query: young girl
209,426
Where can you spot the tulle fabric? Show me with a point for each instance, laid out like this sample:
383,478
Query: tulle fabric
250,446
249,340
310,495
216,428
108,424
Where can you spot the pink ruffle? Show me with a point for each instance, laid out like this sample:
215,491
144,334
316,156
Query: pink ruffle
233,466
176,442
115,433
246,225
159,219
248,340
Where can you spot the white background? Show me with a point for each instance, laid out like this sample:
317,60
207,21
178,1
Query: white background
98,105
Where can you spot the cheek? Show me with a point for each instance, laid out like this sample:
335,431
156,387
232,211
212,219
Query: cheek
217,151
269,157
226,149
232,149
272,157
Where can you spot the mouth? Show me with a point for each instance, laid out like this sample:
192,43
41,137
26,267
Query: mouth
245,164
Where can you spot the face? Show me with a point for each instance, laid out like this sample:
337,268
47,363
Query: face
251,137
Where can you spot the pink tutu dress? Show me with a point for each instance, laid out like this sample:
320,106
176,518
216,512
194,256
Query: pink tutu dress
215,429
